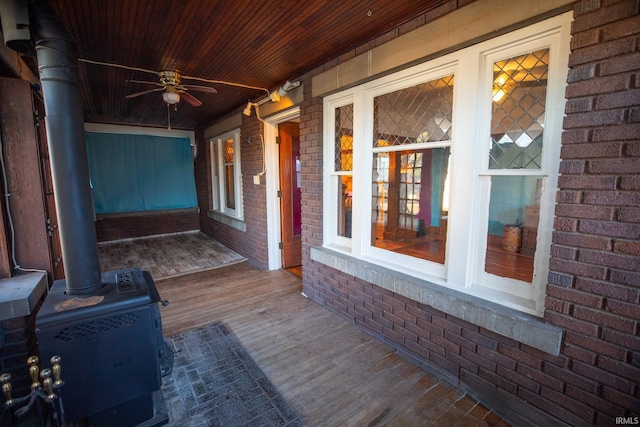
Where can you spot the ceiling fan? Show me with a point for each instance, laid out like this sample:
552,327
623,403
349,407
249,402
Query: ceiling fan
172,89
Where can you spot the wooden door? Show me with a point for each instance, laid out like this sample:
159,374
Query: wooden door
47,185
290,200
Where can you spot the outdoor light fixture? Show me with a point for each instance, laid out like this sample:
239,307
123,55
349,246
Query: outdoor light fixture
274,96
247,109
288,87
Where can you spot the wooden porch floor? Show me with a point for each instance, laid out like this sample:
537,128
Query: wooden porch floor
330,372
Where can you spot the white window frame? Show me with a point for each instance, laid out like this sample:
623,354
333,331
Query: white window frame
464,265
217,183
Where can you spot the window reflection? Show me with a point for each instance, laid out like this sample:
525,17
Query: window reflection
408,200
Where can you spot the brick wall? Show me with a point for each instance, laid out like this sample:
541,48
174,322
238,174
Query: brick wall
127,227
594,283
20,343
251,243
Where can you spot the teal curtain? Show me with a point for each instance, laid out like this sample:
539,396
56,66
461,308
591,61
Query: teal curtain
131,173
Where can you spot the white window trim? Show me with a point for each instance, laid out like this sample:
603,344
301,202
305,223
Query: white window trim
464,266
217,184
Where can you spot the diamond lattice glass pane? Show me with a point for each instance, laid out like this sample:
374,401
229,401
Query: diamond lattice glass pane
517,120
344,138
420,113
228,151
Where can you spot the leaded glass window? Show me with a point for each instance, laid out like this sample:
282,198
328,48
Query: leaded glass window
518,109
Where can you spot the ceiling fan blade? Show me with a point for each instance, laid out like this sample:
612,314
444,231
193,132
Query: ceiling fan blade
145,82
207,89
190,99
134,95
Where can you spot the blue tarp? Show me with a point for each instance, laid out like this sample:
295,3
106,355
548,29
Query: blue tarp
131,173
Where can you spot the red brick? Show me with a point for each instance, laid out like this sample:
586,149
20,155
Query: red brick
597,86
568,322
614,166
478,360
585,39
445,344
602,16
601,318
596,346
594,118
613,229
569,377
627,247
599,375
462,362
577,268
628,341
565,224
624,400
573,166
586,182
576,296
407,334
570,197
630,310
569,403
617,133
551,406
460,341
601,405
622,28
628,215
632,149
561,279
611,198
608,290
591,150
564,252
609,259
480,339
521,356
540,377
559,306
518,379
579,105
498,381
629,374
582,240
575,136
625,277
579,353
627,98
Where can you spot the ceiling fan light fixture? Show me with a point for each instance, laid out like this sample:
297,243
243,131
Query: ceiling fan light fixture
171,97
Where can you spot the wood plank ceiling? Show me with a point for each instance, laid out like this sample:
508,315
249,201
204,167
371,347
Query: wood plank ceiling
256,43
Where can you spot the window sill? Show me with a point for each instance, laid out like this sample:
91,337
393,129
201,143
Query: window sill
522,327
232,222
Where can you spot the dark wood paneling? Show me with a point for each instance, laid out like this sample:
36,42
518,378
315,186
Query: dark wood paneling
257,43
22,162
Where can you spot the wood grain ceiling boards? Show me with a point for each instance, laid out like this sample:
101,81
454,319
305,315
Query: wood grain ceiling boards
257,43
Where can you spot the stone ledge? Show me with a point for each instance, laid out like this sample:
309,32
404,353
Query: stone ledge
20,294
228,220
522,327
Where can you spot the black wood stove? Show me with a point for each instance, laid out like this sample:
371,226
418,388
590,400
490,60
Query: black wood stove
112,347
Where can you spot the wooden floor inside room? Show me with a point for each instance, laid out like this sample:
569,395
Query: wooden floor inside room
328,370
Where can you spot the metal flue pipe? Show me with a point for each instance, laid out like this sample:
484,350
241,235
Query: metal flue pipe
60,80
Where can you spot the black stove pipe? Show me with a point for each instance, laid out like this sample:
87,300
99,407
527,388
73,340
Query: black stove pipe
60,80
